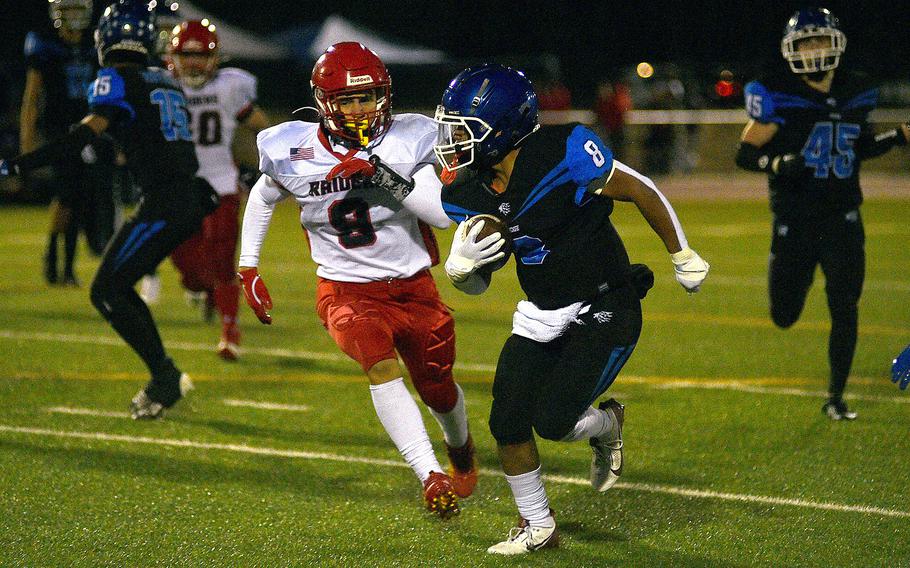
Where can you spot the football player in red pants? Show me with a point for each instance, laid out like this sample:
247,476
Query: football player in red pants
366,188
218,100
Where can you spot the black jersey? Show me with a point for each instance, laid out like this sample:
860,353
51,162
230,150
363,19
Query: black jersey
821,127
565,245
148,115
66,73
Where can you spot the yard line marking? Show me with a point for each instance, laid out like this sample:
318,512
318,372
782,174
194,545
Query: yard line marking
734,386
275,452
265,405
86,412
189,346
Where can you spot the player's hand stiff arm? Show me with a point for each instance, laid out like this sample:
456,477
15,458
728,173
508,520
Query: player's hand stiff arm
468,254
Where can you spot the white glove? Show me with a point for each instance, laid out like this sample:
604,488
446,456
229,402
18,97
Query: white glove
691,269
468,254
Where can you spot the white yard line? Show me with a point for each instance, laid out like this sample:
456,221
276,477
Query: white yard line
265,405
297,454
734,386
87,412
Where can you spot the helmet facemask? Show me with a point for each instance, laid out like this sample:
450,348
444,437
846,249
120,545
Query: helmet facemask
458,137
361,127
817,59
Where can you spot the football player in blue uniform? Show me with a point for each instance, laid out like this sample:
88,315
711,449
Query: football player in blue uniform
809,131
554,187
60,67
900,369
144,109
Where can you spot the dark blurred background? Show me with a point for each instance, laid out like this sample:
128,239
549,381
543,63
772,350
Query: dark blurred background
607,63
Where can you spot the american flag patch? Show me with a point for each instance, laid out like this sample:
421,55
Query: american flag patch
302,153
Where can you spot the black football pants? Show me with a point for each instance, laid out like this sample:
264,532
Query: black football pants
837,243
135,250
545,387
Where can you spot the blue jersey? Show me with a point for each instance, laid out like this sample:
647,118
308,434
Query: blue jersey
564,243
825,128
147,111
66,73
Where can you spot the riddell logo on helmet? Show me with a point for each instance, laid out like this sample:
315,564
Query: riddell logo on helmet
359,80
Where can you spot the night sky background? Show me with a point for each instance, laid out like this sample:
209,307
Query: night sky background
591,40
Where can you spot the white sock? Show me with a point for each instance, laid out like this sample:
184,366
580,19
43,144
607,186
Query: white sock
454,423
593,423
401,419
531,498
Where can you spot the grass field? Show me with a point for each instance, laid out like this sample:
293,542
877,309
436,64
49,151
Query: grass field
279,460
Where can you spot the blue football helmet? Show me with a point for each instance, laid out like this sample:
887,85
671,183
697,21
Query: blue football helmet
486,112
900,369
127,25
810,23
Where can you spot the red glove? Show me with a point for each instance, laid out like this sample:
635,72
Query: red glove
256,294
351,167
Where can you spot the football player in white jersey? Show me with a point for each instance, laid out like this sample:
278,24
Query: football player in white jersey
218,100
368,193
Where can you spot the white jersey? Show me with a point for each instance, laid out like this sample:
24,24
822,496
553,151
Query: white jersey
357,232
215,109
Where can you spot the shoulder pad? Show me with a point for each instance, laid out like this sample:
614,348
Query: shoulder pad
587,157
275,141
760,103
109,89
38,47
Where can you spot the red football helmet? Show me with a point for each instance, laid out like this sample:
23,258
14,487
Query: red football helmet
346,68
192,53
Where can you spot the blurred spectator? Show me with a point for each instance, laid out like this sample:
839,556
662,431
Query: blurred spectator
552,94
613,102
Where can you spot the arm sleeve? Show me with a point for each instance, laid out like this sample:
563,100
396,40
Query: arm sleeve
680,235
424,201
266,193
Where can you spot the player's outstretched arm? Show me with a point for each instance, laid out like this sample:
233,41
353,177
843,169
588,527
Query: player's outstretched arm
70,144
257,217
752,155
626,184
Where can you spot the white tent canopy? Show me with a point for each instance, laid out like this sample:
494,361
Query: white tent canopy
235,42
337,29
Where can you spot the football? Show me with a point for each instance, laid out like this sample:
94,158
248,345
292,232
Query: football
492,224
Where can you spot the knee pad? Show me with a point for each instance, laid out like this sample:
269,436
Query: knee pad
432,373
359,331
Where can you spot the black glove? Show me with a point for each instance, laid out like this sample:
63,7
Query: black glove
788,165
390,180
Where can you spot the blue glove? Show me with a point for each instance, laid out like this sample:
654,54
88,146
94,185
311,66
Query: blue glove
900,369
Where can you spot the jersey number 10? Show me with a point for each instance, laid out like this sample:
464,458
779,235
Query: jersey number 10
831,145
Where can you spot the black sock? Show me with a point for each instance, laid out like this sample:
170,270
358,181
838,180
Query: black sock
70,239
131,318
841,347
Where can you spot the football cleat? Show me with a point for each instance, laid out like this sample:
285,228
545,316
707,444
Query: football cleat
151,401
524,538
837,410
229,346
606,463
463,470
439,495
